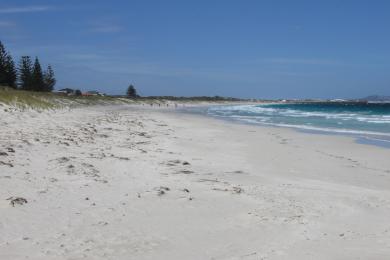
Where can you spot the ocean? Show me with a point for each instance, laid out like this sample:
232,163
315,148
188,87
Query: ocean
369,122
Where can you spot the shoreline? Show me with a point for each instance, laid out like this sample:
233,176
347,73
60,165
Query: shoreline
375,139
120,182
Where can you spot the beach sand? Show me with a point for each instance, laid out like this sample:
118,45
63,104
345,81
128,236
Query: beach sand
122,182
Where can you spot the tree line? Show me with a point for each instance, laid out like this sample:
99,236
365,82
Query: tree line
27,76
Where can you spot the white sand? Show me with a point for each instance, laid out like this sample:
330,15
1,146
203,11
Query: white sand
97,179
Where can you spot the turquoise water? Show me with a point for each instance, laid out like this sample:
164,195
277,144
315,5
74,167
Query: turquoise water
370,120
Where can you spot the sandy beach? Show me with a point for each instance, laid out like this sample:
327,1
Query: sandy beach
130,182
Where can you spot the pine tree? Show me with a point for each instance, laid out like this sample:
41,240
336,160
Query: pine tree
131,92
7,68
11,74
49,79
3,71
25,73
37,77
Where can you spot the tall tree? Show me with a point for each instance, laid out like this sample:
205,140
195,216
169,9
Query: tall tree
25,73
37,77
11,74
3,71
49,79
7,68
131,92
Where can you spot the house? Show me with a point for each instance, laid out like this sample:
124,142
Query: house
338,100
65,91
93,93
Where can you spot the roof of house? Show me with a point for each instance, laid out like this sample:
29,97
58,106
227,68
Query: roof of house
66,90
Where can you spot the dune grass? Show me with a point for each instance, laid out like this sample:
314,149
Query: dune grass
25,99
42,101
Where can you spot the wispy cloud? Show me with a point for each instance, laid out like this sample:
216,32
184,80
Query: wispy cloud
112,63
83,57
104,25
6,24
117,65
106,28
24,9
302,61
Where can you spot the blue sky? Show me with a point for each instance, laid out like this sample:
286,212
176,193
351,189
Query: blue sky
262,49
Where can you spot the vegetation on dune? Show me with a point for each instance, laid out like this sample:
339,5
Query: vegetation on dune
21,99
43,100
25,99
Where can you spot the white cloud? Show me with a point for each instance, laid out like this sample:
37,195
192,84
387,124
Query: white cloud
23,9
